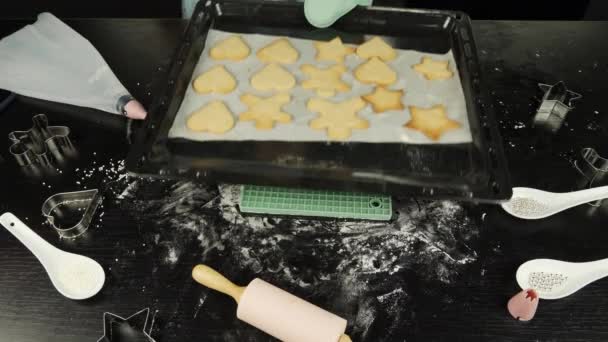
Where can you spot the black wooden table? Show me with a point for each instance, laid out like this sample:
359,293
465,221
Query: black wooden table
442,271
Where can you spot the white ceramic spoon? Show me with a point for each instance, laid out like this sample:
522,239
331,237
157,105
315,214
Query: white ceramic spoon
74,276
533,204
555,279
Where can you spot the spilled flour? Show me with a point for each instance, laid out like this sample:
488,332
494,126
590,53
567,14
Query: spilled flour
369,272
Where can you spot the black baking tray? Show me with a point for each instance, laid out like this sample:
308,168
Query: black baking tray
473,171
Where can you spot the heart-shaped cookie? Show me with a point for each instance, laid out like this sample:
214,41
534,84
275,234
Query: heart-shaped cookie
279,51
214,117
376,47
215,80
375,71
232,48
273,77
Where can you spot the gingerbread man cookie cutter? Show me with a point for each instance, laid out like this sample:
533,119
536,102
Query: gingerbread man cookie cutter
42,144
556,103
594,169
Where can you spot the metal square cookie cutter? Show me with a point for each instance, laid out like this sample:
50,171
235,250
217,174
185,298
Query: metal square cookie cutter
42,144
69,207
594,169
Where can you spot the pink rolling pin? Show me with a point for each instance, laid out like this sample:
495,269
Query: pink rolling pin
276,312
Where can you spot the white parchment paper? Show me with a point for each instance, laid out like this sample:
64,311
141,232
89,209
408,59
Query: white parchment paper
384,127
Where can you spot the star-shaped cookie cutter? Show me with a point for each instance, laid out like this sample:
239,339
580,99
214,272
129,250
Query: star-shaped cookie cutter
64,204
132,329
42,144
556,103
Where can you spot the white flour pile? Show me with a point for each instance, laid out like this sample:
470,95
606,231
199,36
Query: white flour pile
78,279
369,272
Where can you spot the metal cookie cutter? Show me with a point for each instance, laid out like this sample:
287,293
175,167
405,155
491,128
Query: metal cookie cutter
135,328
555,105
594,169
41,143
75,209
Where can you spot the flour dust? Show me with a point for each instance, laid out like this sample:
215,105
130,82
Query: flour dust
368,272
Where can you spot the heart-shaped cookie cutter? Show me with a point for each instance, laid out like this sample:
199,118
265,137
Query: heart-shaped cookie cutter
42,144
57,206
594,169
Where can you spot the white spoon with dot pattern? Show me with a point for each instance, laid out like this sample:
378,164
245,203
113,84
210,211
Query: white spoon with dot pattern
555,279
533,204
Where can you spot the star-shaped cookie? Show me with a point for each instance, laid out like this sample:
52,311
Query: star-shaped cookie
432,122
375,71
434,70
376,47
265,111
383,99
279,51
333,50
326,81
339,119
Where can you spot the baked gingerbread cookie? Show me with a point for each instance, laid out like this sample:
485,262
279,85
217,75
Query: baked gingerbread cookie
376,47
232,48
214,118
434,70
338,119
332,51
273,77
215,80
432,122
265,111
375,71
325,81
279,51
383,99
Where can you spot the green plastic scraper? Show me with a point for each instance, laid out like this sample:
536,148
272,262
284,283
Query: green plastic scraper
272,200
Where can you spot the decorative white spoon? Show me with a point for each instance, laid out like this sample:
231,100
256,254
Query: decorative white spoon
555,279
74,276
533,204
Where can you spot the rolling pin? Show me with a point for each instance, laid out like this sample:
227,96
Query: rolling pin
276,312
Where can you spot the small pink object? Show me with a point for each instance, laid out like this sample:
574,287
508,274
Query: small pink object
523,305
135,110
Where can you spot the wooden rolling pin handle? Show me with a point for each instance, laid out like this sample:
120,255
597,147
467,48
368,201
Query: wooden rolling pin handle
345,338
211,278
